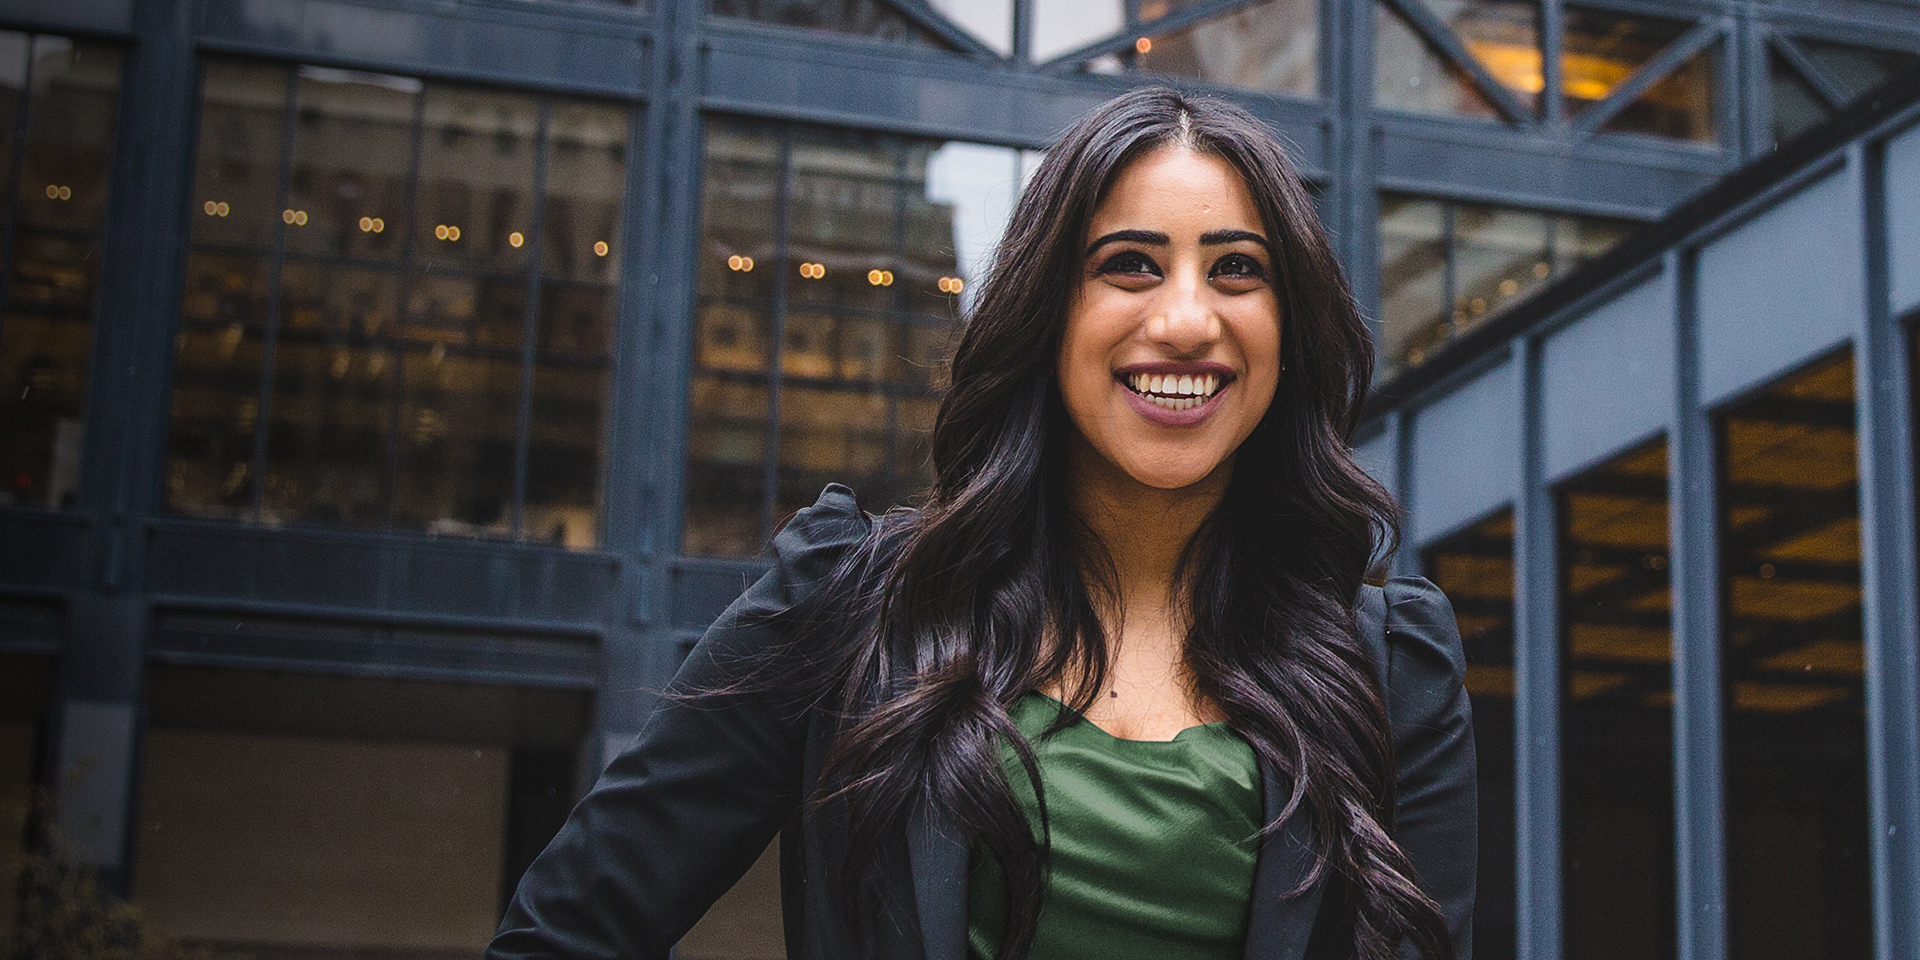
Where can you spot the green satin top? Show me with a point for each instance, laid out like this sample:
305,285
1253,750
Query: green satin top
1153,843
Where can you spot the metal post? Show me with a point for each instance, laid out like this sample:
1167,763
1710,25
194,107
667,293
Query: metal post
1884,401
1536,662
1693,501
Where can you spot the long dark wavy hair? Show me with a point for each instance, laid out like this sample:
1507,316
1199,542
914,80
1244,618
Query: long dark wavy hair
993,587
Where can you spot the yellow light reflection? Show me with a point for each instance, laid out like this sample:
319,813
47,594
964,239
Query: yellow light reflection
516,239
600,248
1143,45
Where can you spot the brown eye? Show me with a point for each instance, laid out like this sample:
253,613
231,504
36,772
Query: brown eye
1130,262
1238,266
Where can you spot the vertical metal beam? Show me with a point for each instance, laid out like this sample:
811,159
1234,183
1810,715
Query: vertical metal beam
530,322
1889,574
263,397
1693,517
1536,662
1750,99
94,733
1552,43
1346,45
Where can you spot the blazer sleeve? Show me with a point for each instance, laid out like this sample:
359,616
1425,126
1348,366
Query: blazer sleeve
1436,814
679,815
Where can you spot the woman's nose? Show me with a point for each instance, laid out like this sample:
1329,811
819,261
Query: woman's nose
1185,321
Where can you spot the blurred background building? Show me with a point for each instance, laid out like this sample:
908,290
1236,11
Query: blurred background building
390,391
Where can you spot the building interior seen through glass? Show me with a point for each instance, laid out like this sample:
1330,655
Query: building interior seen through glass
1599,52
1474,568
57,103
1616,714
1792,658
1813,78
26,685
833,267
869,18
399,305
1446,266
338,796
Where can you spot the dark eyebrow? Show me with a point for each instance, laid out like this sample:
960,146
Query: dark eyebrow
1150,237
1217,237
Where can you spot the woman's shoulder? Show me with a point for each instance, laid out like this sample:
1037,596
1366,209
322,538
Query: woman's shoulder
814,544
1420,655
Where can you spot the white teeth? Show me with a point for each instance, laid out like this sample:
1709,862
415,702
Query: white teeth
1175,392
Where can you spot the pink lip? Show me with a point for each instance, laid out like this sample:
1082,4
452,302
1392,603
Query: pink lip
1177,368
1157,414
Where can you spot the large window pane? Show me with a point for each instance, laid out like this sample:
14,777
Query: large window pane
1272,46
389,271
1500,258
1475,570
1063,25
1414,287
1447,266
866,18
1504,36
1680,106
1791,653
356,816
1616,719
866,269
1602,49
57,103
1410,74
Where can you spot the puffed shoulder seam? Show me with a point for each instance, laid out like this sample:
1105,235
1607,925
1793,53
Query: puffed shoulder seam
1420,623
806,550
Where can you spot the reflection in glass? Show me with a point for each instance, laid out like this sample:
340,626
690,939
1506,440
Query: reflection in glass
1791,654
1272,46
1680,106
990,21
1474,568
1504,36
1602,49
391,293
1857,70
236,190
865,18
1447,266
1409,74
1500,257
1797,106
1413,277
352,156
1063,25
476,189
1616,715
57,102
865,272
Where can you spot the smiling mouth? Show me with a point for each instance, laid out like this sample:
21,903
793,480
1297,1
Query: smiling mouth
1175,391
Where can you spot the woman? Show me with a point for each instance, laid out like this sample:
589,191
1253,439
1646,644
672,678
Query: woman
1117,690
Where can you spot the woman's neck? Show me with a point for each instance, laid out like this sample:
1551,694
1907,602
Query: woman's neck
1144,529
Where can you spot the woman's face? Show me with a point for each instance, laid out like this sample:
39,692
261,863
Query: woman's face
1172,346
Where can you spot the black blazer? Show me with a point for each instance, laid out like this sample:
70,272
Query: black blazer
681,813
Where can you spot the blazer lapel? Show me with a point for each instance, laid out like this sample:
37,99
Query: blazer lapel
938,860
1281,925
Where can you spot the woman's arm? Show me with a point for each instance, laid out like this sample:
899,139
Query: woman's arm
1436,816
681,813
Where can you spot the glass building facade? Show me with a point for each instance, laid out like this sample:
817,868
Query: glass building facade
390,394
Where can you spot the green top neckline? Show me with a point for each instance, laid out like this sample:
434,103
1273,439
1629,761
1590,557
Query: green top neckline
1203,729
